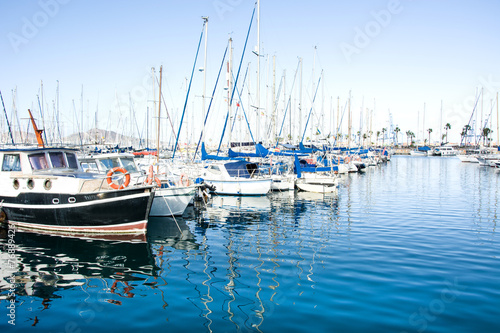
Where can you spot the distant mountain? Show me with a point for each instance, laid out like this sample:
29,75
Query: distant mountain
92,137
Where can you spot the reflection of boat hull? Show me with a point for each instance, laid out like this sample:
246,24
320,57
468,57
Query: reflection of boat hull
123,211
171,201
260,203
171,232
57,262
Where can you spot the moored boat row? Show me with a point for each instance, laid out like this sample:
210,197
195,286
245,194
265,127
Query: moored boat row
65,190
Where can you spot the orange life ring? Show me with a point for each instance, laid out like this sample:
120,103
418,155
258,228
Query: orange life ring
152,177
184,180
158,181
110,181
149,180
347,160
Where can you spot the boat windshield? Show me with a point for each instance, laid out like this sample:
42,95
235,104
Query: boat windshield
57,159
109,163
129,164
38,161
72,161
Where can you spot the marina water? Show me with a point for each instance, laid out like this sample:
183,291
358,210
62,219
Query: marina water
409,246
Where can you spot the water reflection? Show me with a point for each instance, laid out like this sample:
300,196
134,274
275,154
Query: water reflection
247,263
43,266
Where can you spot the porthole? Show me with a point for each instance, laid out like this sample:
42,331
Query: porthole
30,184
47,184
55,201
15,184
71,200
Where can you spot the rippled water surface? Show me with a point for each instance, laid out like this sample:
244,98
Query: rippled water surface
410,246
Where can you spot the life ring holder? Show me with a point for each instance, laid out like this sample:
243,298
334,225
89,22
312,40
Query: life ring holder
110,174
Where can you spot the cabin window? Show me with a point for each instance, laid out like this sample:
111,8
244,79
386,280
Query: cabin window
129,164
89,167
57,159
72,162
38,161
214,169
11,162
109,163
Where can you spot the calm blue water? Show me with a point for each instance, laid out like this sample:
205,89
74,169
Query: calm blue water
411,246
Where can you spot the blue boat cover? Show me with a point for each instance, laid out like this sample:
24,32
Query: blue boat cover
240,169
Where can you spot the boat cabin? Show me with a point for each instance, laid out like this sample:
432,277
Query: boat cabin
39,160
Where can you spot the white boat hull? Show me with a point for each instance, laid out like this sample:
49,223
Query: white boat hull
316,188
282,183
241,186
171,201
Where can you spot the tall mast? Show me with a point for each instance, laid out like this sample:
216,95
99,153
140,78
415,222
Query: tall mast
258,71
57,114
16,115
313,89
349,121
274,99
441,123
300,96
205,20
7,119
158,128
498,126
153,76
337,138
230,88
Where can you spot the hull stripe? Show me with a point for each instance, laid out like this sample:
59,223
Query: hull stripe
132,227
78,204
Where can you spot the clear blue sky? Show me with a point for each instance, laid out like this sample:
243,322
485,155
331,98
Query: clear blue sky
393,56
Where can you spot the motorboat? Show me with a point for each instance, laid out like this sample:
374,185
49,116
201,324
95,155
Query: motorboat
45,188
172,194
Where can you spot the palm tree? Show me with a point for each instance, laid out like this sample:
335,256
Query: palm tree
383,135
397,130
465,132
408,137
411,135
378,134
486,133
430,131
447,127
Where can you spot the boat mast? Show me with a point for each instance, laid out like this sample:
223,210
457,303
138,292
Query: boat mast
498,127
205,20
349,121
16,115
274,99
7,118
300,98
158,128
258,72
230,87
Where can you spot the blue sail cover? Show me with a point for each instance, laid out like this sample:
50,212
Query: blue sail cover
424,148
240,168
260,151
206,156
